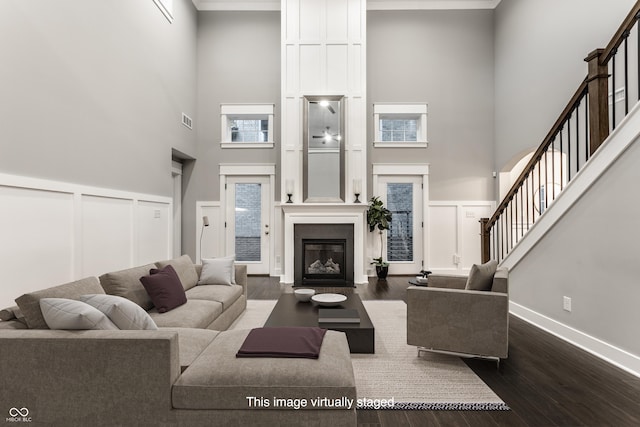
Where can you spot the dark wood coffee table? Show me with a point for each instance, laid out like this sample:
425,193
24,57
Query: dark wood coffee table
290,312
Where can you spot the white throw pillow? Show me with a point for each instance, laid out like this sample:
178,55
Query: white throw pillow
218,271
62,313
126,314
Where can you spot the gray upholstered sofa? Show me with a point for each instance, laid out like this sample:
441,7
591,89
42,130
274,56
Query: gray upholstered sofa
445,317
185,373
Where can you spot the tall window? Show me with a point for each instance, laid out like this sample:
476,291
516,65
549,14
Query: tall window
248,221
400,234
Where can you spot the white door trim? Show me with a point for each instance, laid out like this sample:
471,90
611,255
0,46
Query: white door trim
406,169
247,169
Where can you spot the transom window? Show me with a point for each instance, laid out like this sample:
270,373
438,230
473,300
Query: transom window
249,130
400,125
247,125
404,130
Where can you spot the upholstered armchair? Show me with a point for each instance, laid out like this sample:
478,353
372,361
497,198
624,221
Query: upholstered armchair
446,317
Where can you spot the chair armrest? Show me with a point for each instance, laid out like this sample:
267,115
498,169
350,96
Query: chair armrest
446,281
473,322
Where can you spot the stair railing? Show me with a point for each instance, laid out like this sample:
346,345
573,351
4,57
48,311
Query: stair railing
601,101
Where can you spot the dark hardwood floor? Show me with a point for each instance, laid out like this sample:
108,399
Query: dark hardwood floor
545,381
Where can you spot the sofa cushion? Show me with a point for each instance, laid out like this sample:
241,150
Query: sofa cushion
192,342
164,288
30,303
126,284
218,271
226,295
481,276
127,315
217,379
185,269
192,314
64,313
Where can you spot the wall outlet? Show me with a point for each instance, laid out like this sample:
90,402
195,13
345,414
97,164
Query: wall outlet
566,304
156,213
470,214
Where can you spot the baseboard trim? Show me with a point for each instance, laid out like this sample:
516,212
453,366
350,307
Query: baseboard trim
605,351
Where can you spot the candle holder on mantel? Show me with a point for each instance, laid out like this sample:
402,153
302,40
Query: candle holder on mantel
357,190
289,190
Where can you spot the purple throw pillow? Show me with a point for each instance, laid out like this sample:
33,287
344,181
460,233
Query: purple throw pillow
164,288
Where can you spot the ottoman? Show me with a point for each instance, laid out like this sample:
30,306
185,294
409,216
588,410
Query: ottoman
217,380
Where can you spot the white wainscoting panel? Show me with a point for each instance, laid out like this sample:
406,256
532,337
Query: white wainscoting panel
107,228
453,234
56,232
212,236
153,231
36,243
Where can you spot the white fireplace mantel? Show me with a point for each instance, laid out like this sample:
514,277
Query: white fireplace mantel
324,213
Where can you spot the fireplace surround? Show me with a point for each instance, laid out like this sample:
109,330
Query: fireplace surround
329,216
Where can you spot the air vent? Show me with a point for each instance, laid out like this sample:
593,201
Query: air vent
186,120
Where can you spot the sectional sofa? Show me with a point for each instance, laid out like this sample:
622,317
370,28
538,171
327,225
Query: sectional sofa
184,374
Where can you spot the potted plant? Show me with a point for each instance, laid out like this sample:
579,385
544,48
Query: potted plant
379,217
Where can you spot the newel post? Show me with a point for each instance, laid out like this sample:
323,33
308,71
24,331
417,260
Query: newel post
485,240
598,87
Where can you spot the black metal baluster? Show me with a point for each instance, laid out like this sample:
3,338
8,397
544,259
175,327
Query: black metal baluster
546,181
527,198
626,73
587,153
578,137
553,167
561,163
521,213
613,89
569,152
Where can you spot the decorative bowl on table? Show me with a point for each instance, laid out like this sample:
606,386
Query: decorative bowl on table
328,300
303,294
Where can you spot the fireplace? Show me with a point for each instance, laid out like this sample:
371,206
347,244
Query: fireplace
323,261
323,255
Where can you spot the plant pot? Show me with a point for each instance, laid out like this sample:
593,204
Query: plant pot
382,271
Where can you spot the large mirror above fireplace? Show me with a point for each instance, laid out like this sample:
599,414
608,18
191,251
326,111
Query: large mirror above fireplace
323,158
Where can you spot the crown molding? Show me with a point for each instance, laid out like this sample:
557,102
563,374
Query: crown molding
274,5
237,5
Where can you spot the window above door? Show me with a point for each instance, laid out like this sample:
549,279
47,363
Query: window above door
246,125
400,125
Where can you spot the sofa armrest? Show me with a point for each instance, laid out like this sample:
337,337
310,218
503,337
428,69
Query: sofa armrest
89,377
473,322
241,277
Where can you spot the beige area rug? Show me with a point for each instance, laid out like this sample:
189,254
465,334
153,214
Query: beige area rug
395,377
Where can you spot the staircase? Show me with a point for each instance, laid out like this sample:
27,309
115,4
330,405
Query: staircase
568,230
600,103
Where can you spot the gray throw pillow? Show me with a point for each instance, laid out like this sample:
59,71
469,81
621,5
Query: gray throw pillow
481,276
127,315
218,271
62,313
185,269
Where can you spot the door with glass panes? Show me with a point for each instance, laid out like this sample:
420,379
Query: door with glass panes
247,221
403,243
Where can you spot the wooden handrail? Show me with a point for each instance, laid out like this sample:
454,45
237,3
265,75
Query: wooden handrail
557,126
621,34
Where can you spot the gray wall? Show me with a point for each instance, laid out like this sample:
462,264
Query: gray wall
591,256
540,46
92,91
238,62
443,58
